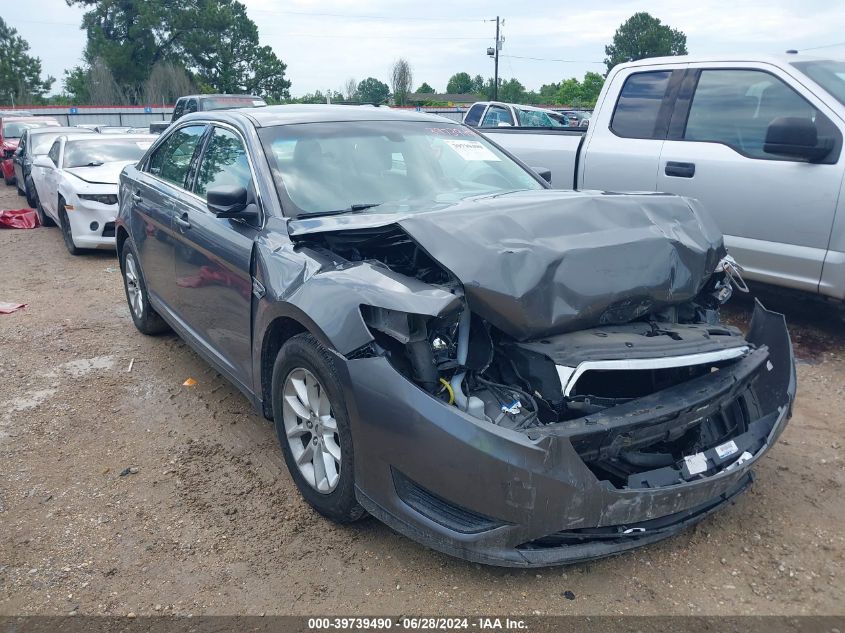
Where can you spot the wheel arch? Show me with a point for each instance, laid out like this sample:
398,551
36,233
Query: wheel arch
281,329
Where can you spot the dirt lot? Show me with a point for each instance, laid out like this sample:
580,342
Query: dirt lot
211,522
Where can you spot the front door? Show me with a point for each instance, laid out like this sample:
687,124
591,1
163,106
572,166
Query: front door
155,198
213,257
776,212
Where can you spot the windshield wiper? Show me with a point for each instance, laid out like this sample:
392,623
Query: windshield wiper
93,163
353,208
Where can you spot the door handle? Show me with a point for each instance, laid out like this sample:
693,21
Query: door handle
680,170
136,196
182,222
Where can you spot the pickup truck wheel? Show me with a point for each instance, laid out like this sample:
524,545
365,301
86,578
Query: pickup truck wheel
313,428
145,318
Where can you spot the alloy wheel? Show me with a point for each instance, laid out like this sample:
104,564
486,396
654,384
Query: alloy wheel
133,285
311,430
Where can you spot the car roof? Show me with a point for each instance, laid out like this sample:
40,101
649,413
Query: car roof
219,96
56,130
783,58
270,116
109,138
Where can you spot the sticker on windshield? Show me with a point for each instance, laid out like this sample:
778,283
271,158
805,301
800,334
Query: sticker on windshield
471,150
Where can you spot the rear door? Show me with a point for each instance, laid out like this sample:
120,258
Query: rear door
157,194
623,150
776,212
45,179
213,256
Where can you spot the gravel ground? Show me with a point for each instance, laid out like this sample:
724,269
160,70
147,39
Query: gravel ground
207,521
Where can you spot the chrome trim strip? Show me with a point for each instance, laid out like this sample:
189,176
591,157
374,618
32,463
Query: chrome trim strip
570,375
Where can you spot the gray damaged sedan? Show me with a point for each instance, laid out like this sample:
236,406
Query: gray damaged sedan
502,372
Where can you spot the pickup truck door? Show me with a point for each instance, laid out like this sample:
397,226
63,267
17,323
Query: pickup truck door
776,212
213,258
622,148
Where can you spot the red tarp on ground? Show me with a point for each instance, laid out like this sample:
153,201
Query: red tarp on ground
18,219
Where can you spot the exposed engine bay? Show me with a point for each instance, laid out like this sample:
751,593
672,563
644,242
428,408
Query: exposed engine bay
582,330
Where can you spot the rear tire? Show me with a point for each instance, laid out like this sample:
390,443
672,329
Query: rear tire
67,233
145,318
316,421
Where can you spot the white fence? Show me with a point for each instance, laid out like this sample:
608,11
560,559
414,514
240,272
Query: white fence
135,116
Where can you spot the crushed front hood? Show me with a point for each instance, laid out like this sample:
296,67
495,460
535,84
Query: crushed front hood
540,263
105,174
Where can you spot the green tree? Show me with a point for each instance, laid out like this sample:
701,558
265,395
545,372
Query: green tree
371,90
20,72
644,36
214,39
591,87
460,83
478,84
512,91
426,89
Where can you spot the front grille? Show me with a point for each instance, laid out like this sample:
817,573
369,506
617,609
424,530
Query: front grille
108,229
439,510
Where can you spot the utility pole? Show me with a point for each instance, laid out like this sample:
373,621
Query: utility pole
496,64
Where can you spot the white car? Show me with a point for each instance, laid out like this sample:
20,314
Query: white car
77,184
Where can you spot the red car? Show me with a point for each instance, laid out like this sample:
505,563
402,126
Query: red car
11,129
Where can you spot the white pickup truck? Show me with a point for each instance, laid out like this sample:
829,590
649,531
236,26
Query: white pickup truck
758,140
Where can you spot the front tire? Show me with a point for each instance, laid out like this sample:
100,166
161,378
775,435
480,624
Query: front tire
67,233
311,421
43,218
145,318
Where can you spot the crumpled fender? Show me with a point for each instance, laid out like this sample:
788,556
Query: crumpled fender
325,297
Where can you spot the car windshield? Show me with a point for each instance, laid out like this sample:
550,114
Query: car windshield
537,118
225,103
829,74
398,165
15,129
98,151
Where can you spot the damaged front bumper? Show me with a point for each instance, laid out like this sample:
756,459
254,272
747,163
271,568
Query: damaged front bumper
521,499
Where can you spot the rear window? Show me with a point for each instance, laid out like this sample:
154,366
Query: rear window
226,103
639,105
15,129
473,117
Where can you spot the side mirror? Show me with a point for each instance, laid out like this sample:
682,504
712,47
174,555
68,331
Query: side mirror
226,202
43,161
544,173
796,137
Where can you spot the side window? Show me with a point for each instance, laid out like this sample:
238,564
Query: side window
474,115
496,115
735,108
636,114
172,159
22,144
53,154
224,163
191,106
179,110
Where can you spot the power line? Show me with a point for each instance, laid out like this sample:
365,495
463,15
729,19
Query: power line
815,48
546,59
349,16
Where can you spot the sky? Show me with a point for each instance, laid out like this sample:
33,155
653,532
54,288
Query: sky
326,42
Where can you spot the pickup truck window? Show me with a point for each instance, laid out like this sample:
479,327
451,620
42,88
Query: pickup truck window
179,110
496,115
639,104
224,163
735,108
172,159
473,117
